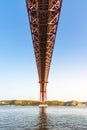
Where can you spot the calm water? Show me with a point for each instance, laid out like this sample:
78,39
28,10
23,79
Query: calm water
51,118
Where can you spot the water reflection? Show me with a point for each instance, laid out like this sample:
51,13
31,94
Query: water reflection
43,121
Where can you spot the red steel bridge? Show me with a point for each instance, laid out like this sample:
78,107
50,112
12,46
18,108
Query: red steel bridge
43,19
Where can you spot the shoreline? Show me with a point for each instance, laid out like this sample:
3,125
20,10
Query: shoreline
36,103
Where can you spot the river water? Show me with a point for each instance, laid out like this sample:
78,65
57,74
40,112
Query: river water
35,118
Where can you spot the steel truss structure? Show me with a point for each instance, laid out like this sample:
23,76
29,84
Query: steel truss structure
43,19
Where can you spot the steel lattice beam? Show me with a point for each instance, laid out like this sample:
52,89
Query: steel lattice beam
43,18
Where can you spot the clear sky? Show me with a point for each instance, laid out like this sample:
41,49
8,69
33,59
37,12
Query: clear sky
68,72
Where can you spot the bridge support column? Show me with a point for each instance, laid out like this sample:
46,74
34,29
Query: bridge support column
43,94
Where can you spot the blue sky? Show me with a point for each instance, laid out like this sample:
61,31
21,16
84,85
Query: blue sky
68,72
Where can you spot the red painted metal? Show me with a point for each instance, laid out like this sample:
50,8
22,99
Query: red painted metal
43,19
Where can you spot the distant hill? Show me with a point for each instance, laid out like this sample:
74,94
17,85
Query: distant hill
68,103
75,103
36,103
19,102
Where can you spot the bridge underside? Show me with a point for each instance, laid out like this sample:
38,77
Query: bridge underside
43,18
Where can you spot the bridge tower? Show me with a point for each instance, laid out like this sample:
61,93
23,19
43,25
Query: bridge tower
43,19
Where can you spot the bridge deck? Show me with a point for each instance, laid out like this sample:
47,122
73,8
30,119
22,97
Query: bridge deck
43,18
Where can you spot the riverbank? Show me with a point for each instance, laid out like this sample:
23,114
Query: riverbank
36,103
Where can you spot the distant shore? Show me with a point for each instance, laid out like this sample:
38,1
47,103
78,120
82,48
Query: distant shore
36,103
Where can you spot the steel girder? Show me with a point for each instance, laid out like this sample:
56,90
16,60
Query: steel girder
43,18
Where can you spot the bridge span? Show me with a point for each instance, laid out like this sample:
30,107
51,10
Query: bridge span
43,18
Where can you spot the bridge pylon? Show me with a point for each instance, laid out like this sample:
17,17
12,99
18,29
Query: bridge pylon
43,93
